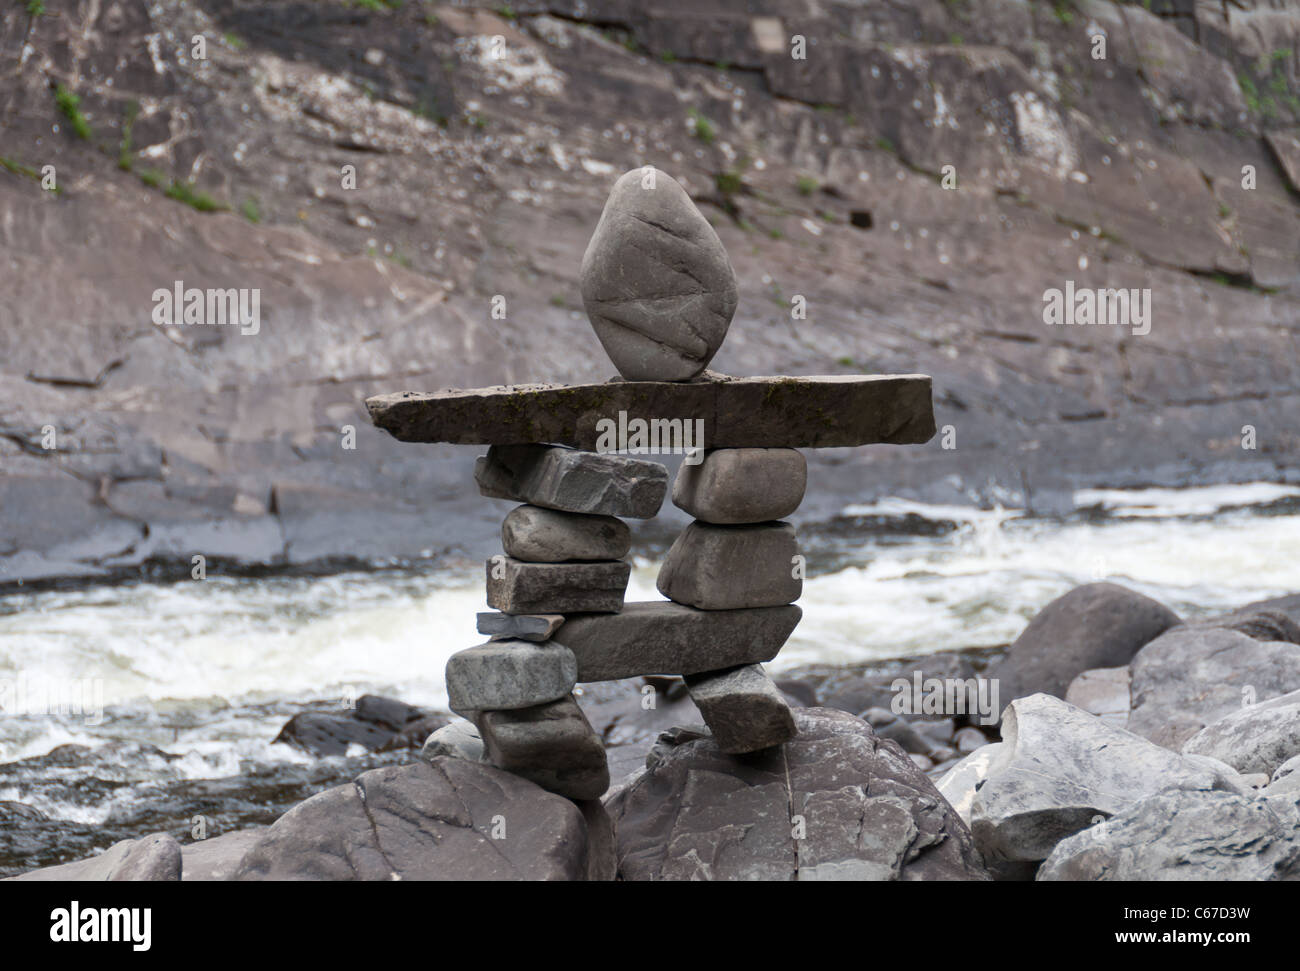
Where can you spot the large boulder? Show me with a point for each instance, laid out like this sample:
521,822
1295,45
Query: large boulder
1186,835
375,723
1098,625
1258,738
1058,769
150,858
1189,677
836,802
448,819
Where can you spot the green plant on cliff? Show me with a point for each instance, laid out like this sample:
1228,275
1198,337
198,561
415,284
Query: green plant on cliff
70,105
35,8
191,195
124,148
702,128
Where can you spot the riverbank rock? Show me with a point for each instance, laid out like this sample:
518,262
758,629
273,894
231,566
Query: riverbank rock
835,802
1185,836
374,723
538,535
1190,677
1058,770
458,740
425,821
1104,692
217,857
1098,625
656,282
742,485
1258,738
570,480
151,858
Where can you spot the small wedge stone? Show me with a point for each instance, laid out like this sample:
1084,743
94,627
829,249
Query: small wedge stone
573,481
524,627
538,535
730,567
509,674
742,485
743,708
552,745
514,587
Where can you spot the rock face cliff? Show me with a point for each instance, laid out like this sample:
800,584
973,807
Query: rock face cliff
411,189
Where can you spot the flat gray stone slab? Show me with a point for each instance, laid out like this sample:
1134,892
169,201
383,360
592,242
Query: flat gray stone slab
761,412
537,535
661,637
524,627
573,481
509,674
556,588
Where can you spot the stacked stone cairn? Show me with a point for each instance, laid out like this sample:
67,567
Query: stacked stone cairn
660,293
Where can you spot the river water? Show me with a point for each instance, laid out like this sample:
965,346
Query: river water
195,678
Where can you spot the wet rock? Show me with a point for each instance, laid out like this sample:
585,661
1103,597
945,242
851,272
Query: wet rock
514,587
572,481
1098,625
414,734
742,485
1103,692
659,637
425,821
656,281
217,857
602,847
1257,738
458,740
1187,835
864,809
959,783
1058,770
552,745
372,723
1286,780
524,627
1190,677
151,858
538,535
509,674
730,567
744,710
969,740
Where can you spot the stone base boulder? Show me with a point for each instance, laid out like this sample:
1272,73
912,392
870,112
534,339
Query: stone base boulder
448,819
150,858
1186,836
1257,738
836,802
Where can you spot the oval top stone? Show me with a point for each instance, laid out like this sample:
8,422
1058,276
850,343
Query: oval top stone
656,282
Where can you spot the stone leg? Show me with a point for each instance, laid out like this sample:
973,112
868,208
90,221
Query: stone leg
743,708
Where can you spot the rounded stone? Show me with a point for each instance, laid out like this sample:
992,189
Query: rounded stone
538,535
742,485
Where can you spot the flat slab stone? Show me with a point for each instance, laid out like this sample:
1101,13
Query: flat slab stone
552,745
538,535
509,674
742,485
524,627
743,708
761,412
514,587
729,567
573,481
661,637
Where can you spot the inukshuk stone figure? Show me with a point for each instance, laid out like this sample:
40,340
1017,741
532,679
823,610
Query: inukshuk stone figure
660,293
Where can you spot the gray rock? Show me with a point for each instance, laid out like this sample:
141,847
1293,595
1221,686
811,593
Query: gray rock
414,734
823,411
602,847
524,627
970,739
448,819
730,567
903,732
1185,836
514,587
1257,738
150,858
552,745
742,485
374,724
1103,692
658,637
959,783
458,740
509,674
744,710
538,535
1057,770
856,807
1189,677
573,481
656,281
1098,625
217,857
1286,780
